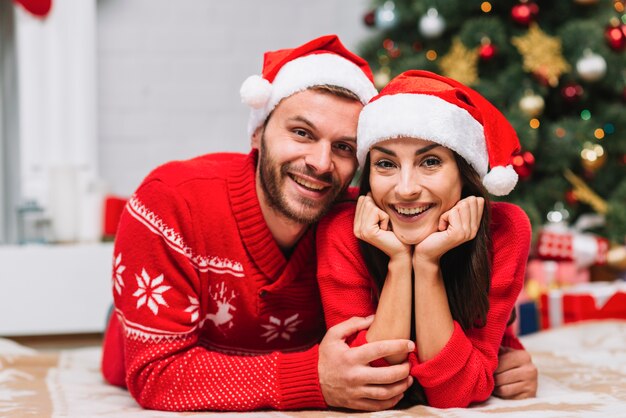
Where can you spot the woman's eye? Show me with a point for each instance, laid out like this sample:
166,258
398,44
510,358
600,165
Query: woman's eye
384,164
431,162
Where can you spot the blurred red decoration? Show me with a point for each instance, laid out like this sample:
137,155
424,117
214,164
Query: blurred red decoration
388,44
417,46
523,164
113,208
616,37
39,8
541,78
524,13
370,19
394,52
570,197
572,92
487,51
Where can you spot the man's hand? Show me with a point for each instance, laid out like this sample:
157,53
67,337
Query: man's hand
516,375
346,378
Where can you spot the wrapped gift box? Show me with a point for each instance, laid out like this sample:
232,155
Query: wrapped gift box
568,245
596,300
548,274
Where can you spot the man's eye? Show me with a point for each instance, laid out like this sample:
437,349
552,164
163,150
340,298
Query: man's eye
345,148
301,132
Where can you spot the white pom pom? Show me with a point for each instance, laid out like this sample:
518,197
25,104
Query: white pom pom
255,91
500,181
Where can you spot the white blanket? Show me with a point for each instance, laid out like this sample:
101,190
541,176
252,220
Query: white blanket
582,369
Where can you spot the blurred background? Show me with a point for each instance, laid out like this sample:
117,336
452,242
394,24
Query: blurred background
94,94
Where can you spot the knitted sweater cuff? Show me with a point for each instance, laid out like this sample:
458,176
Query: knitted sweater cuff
450,360
510,340
298,381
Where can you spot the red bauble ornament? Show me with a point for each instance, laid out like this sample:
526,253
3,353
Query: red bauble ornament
572,92
487,51
616,37
523,164
524,13
570,197
370,19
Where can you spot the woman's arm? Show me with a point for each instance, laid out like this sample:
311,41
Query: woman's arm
433,320
393,313
462,371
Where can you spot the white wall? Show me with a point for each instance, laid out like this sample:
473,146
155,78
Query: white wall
169,72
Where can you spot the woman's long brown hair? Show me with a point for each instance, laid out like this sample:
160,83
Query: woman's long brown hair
466,269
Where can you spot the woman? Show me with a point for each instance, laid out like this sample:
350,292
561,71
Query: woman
434,259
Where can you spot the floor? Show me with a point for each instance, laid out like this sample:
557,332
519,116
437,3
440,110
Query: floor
58,342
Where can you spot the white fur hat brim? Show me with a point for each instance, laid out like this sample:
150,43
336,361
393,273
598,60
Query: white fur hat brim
426,117
301,74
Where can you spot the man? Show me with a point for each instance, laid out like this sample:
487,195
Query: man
217,306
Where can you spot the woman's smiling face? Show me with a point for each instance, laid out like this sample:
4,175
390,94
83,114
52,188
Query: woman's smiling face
414,181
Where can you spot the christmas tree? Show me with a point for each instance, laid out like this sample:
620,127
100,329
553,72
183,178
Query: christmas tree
556,69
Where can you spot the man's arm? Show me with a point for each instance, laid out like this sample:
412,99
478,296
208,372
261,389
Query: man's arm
346,379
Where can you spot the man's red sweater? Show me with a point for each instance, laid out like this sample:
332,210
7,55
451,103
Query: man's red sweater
209,313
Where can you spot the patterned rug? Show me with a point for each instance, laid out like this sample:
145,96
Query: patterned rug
582,371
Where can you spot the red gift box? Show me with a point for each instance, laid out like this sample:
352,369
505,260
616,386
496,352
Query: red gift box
567,245
113,208
596,300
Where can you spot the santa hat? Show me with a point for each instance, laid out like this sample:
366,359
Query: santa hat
428,106
322,61
39,8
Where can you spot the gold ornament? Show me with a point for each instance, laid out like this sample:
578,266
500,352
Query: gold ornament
616,257
593,156
542,54
584,194
534,288
382,77
460,63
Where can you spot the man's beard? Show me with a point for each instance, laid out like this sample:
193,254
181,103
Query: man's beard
272,179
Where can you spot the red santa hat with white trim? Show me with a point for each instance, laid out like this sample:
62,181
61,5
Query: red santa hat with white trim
428,106
322,61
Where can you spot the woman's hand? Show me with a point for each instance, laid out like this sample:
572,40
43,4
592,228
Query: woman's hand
371,224
456,226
